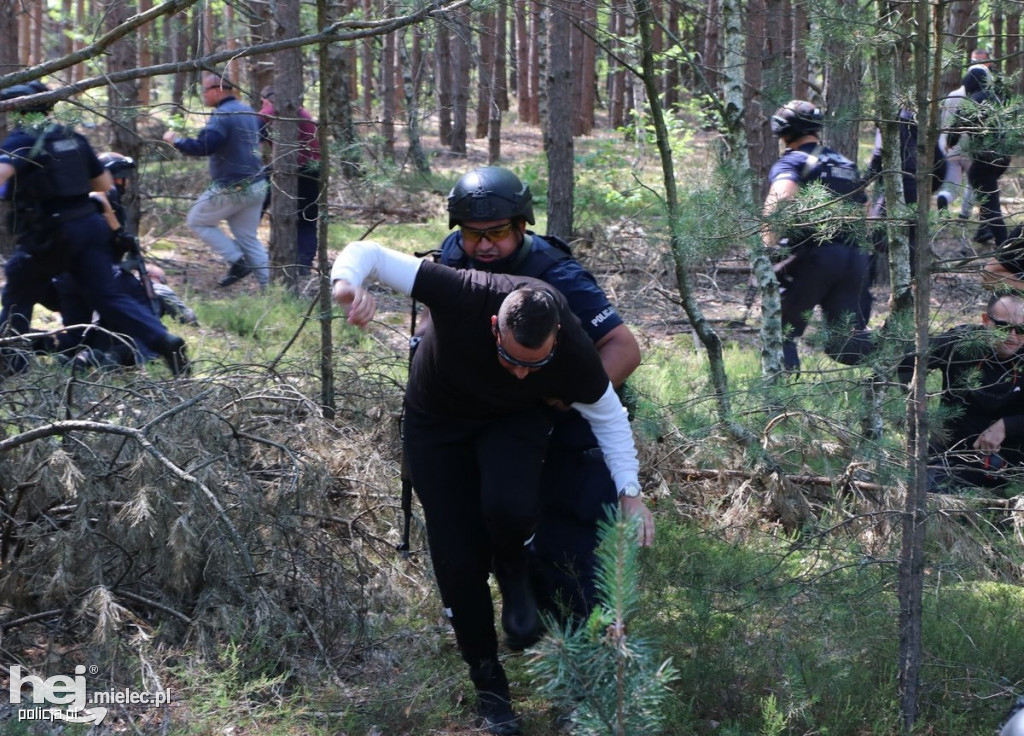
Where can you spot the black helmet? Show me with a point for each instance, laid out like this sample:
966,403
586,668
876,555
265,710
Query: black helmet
24,90
117,164
489,193
796,118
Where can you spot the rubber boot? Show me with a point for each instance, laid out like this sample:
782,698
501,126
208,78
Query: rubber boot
493,702
519,616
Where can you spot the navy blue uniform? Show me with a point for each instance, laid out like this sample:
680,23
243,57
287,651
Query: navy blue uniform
59,229
833,272
576,488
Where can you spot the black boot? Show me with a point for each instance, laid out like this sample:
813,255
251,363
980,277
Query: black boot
238,271
172,350
519,616
493,702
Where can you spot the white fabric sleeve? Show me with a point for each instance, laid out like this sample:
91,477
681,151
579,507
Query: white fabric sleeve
610,424
365,259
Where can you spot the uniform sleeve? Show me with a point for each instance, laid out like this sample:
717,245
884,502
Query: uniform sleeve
586,299
787,168
610,424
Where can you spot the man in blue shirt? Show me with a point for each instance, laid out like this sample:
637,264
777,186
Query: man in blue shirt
231,139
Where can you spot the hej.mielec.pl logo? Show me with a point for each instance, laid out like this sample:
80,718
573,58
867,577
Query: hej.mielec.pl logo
62,690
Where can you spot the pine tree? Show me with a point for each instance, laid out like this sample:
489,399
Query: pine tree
606,675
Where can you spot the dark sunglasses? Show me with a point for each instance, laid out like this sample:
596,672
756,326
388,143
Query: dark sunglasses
503,354
473,236
1005,325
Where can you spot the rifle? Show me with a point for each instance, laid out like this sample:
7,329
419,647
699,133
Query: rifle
405,474
134,260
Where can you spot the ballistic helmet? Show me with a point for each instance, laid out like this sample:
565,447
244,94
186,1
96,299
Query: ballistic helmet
117,164
796,118
24,90
489,193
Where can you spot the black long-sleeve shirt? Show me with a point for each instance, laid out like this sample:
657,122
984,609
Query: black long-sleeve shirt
978,388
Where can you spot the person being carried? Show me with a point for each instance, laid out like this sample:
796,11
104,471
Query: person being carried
231,139
491,209
815,270
982,440
499,350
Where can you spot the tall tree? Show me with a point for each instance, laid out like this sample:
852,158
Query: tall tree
283,247
443,81
485,71
337,77
123,99
461,60
558,124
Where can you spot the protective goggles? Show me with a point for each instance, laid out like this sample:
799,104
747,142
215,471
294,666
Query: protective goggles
472,236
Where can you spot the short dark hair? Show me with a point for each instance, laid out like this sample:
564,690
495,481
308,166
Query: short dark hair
998,296
530,314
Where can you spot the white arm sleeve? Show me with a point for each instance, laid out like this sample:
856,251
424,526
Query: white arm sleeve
365,259
610,424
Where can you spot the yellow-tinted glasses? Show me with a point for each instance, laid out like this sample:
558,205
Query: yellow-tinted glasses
472,236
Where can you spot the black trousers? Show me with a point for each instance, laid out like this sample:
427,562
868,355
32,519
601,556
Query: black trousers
984,179
834,277
478,481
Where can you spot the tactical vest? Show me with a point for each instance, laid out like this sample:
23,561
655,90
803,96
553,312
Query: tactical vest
839,175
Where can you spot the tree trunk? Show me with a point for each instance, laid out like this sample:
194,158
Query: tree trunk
485,73
443,79
523,89
325,14
712,64
1012,65
709,338
412,108
368,64
538,58
145,44
617,72
388,91
336,77
558,127
287,101
588,61
123,101
501,74
460,80
843,81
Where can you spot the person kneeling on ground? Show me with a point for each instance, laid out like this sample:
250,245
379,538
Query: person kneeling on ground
982,441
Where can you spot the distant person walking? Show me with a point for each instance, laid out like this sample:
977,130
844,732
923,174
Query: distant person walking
231,139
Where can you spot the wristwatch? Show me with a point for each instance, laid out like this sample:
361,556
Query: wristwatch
630,490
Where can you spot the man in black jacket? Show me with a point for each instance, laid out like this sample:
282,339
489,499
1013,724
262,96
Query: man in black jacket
981,442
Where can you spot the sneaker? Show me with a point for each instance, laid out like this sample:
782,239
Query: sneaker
493,702
238,271
172,349
943,200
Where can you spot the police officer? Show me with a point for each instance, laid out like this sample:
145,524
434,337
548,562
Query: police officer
49,171
830,271
475,434
492,209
